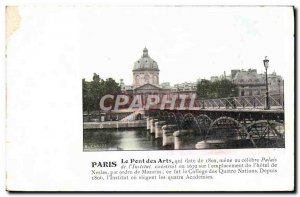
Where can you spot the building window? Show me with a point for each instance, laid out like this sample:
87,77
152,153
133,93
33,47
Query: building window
242,93
137,79
155,80
250,92
147,78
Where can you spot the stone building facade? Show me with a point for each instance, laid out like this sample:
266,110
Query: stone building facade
250,83
146,80
145,71
146,77
276,83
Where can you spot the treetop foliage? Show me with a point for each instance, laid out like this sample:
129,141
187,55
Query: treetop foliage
92,91
217,89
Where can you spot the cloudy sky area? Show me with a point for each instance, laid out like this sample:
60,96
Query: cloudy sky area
187,42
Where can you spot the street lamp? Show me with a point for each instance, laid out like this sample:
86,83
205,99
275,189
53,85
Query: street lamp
266,64
279,91
232,98
203,107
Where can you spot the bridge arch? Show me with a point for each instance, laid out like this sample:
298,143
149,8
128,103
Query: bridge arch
230,132
180,118
189,120
267,133
162,115
204,122
172,119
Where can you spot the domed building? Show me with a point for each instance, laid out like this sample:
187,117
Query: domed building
145,71
146,81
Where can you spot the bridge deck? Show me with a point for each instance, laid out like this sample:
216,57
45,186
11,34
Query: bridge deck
259,110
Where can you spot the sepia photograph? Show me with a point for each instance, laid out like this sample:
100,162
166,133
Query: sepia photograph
197,78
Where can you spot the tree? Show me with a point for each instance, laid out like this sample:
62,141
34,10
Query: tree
94,90
217,89
204,89
226,88
111,86
87,98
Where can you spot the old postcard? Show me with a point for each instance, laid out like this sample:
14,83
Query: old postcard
150,98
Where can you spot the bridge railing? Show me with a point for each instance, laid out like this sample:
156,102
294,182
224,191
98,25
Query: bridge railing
276,101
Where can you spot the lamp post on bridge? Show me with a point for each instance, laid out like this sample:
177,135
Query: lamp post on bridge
203,107
279,81
283,93
266,65
232,98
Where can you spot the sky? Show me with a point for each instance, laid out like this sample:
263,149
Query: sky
188,43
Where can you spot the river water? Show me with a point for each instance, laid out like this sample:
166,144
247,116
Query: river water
126,139
140,139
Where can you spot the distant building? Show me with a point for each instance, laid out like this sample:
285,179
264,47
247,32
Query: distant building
275,83
186,86
122,85
146,79
214,78
249,82
146,76
165,85
145,71
234,72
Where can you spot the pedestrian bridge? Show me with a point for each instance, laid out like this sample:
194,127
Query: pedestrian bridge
236,122
276,101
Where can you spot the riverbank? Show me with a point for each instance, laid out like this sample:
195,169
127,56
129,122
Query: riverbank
115,124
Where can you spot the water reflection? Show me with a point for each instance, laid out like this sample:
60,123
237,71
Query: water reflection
141,139
129,139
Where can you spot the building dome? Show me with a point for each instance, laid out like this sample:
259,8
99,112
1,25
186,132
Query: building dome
145,63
